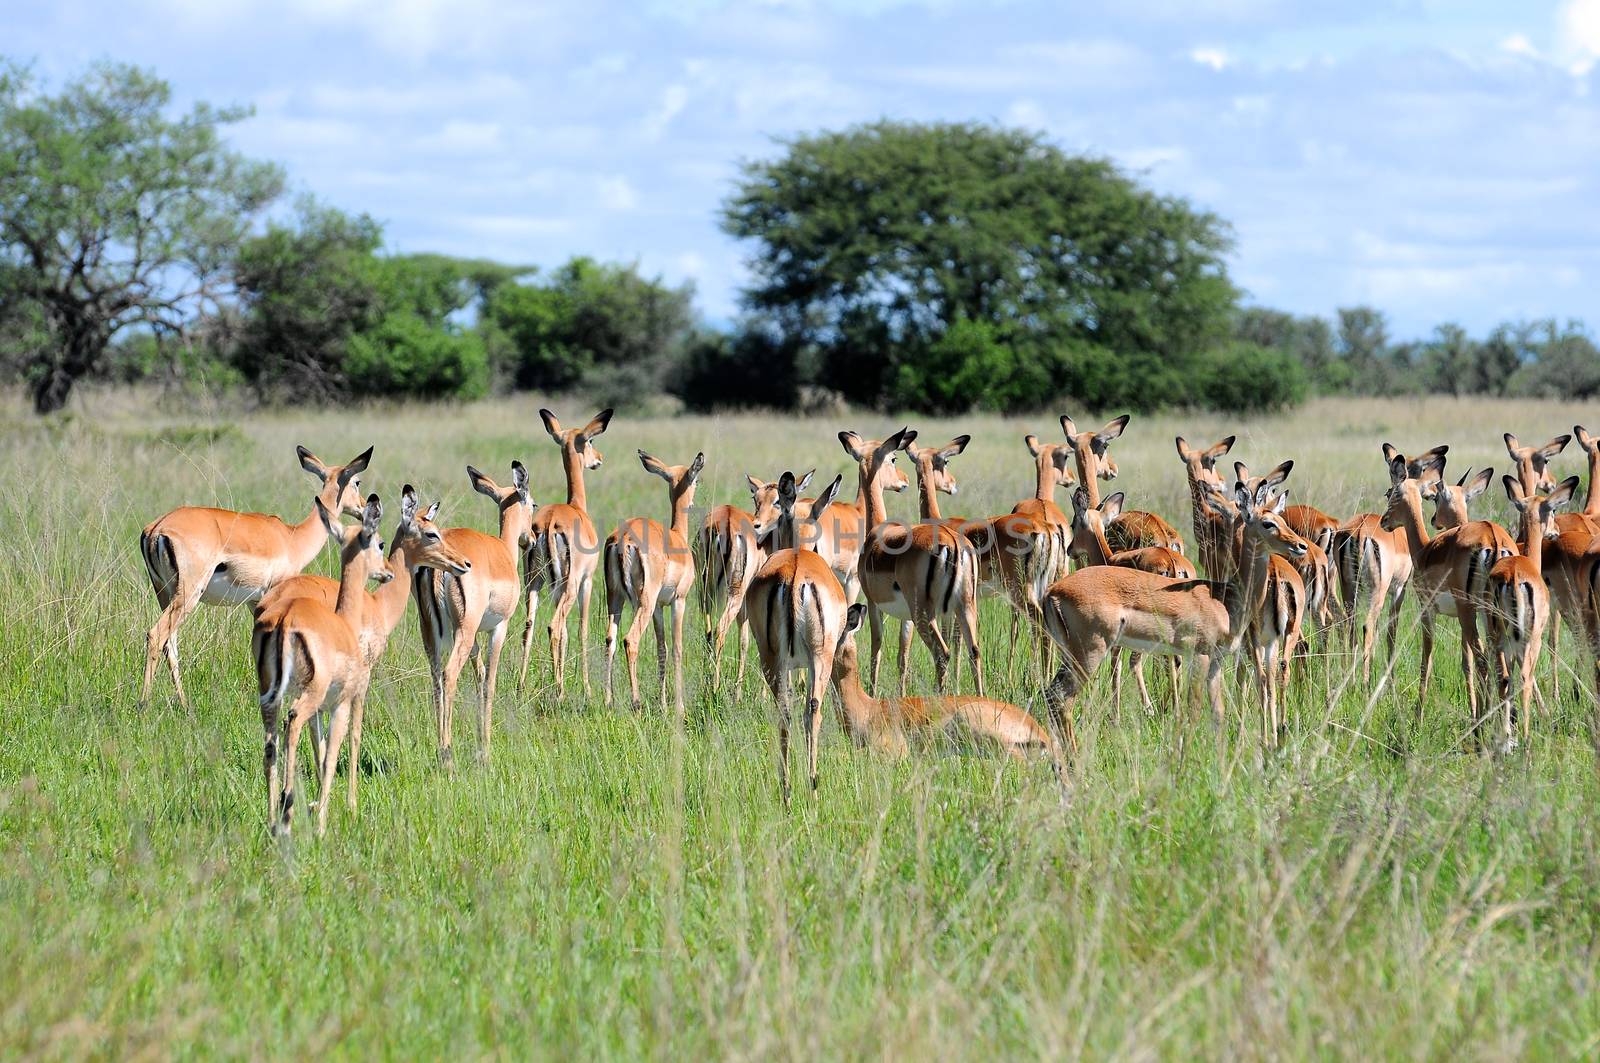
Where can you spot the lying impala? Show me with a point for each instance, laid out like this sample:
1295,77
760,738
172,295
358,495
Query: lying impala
796,612
455,609
197,554
1519,604
562,552
417,544
1096,609
886,723
649,567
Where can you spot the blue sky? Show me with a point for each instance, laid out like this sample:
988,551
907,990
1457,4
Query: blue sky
1438,159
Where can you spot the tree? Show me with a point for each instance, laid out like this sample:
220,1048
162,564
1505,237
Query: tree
872,242
1448,360
115,215
1363,343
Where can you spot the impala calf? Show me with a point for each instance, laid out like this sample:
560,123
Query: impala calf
454,610
197,554
796,612
649,566
1519,604
562,552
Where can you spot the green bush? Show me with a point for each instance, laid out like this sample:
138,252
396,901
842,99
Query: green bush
1244,378
749,368
405,355
966,367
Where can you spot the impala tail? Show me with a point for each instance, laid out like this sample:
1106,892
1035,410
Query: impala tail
160,563
275,665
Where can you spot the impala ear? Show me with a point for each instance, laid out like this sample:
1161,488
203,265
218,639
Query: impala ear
853,618
853,444
754,485
954,447
1111,431
901,439
1080,502
1111,506
805,481
408,504
1241,471
1463,481
1554,447
1218,451
696,467
519,480
1511,444
357,466
482,484
369,519
309,462
1185,451
825,499
1033,444
598,425
1068,428
1282,502
1241,498
1581,434
432,510
1280,474
1560,496
1513,490
1397,466
654,466
1390,453
551,425
915,451
786,491
1480,484
330,523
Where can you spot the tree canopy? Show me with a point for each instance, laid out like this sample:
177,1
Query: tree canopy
871,243
114,213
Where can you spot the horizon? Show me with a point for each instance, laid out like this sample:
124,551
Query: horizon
1433,161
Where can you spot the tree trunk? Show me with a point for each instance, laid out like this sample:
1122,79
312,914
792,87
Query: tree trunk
84,346
52,391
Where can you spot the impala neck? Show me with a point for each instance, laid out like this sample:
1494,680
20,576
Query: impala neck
352,601
1416,528
859,707
390,600
1045,487
572,465
1591,505
1250,588
873,492
680,514
512,523
928,498
306,538
1086,476
1101,553
1533,538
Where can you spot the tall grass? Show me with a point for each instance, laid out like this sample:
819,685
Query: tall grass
622,884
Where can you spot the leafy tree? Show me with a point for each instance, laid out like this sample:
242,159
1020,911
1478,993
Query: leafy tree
969,366
871,243
1565,365
750,367
1246,378
1448,360
114,215
1500,356
1363,344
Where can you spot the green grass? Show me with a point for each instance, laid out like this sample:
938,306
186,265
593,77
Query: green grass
620,884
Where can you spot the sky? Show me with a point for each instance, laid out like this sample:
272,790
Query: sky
1439,159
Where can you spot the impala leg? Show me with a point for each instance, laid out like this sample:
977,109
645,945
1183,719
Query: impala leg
1116,685
530,606
875,629
269,764
465,639
1425,622
658,621
1369,630
680,612
585,586
340,725
613,622
929,630
967,630
309,702
558,635
779,682
1392,627
905,653
817,674
744,644
1137,662
1472,660
491,667
642,612
358,710
162,640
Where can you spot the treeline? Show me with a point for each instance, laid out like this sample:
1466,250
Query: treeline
927,267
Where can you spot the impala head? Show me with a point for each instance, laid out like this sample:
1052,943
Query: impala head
516,497
1531,463
845,660
1539,510
420,540
1589,443
1430,463
360,548
933,463
1450,503
1093,448
1262,513
1253,484
1056,458
578,442
1411,483
681,479
1089,522
781,532
1201,465
341,484
764,499
873,455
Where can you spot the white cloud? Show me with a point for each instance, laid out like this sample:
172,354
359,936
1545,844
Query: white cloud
616,193
461,137
1027,113
674,98
1215,58
1518,44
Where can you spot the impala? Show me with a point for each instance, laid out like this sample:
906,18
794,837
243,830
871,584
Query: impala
839,538
1531,463
1451,504
1519,604
919,572
1211,530
454,610
417,544
1090,546
1450,571
197,554
1566,561
649,567
1133,528
1096,609
727,556
885,723
310,657
796,612
1052,469
563,550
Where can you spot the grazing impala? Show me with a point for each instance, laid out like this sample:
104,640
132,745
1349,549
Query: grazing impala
920,572
1134,528
649,567
562,552
417,544
727,556
1090,546
455,610
310,657
1450,571
886,723
197,554
1093,610
796,612
1519,604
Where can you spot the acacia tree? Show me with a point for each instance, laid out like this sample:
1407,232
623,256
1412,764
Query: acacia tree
873,242
113,214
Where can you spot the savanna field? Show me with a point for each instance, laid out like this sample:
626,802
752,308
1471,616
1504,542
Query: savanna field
625,884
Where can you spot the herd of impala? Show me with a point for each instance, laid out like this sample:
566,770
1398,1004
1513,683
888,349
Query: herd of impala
788,574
